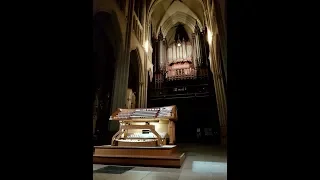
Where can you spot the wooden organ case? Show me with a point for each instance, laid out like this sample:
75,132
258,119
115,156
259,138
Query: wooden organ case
146,137
145,127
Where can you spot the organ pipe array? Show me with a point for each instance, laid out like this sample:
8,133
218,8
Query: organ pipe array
180,59
181,53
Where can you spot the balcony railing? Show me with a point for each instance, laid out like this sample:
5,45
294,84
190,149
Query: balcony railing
187,90
137,28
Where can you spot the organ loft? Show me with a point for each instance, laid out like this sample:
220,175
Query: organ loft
160,79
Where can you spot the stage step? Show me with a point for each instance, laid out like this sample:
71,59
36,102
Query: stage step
175,160
164,156
135,151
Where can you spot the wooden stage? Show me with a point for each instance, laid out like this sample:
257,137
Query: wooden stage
164,156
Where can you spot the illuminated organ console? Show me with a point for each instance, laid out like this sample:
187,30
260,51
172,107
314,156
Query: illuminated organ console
149,127
142,139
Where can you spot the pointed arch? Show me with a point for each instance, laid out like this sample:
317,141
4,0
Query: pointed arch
181,12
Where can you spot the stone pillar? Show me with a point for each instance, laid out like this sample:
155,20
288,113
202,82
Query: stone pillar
141,94
198,44
122,71
194,51
145,64
203,48
220,94
198,50
160,45
164,54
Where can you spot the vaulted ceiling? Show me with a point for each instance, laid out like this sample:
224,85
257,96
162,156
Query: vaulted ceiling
167,14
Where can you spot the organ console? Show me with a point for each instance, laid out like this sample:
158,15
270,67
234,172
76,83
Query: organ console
145,127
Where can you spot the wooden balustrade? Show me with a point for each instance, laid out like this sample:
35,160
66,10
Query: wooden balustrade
137,28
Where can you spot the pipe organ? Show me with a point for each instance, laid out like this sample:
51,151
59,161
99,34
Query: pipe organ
178,54
182,59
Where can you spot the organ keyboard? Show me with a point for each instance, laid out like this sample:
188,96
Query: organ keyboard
145,126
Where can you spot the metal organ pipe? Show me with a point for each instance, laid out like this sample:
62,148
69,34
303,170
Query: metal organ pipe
164,55
189,50
178,53
160,53
194,51
169,54
181,57
184,49
198,49
174,52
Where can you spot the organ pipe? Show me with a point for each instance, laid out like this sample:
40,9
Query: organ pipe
184,49
194,51
164,54
160,53
160,50
179,53
174,52
189,51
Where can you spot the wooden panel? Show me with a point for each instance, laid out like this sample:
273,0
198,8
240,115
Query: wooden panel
142,143
107,151
160,161
138,127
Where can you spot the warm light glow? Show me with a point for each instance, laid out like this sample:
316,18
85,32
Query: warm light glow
179,44
209,36
146,46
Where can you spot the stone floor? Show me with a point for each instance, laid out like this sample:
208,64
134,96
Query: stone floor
202,163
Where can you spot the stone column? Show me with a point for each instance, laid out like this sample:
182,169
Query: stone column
203,47
197,49
160,45
164,55
144,67
141,93
198,44
194,51
122,71
220,94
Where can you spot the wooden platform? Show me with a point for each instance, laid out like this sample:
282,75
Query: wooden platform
137,144
165,156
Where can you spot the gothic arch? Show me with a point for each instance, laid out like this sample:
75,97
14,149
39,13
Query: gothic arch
175,19
179,12
154,3
112,29
108,51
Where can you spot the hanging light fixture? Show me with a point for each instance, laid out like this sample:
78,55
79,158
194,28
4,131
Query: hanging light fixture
178,42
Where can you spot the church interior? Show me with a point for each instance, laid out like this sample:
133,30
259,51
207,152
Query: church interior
160,77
